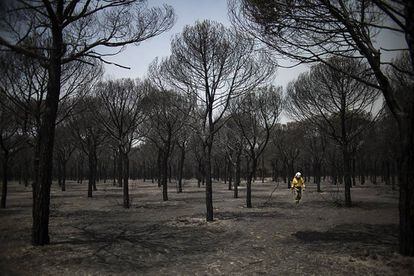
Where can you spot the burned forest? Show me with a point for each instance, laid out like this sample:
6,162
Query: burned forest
237,137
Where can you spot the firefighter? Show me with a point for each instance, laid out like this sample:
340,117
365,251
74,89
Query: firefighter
298,184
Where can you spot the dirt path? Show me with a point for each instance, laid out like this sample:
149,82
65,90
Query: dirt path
97,236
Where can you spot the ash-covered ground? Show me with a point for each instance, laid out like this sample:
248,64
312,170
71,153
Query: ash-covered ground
97,236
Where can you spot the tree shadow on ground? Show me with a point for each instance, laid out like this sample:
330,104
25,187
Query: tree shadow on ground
13,210
80,214
370,205
353,238
240,216
132,248
292,205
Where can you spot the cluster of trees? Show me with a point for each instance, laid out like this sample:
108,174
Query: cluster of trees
208,110
316,30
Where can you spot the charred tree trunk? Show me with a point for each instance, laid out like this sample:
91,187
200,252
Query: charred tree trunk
125,176
274,168
238,174
181,169
209,184
251,173
43,180
164,175
120,166
63,168
92,171
362,172
318,176
387,172
5,179
114,170
285,174
263,168
169,172
81,171
347,176
200,173
405,179
393,176
59,172
226,169
159,167
374,173
230,174
353,172
144,172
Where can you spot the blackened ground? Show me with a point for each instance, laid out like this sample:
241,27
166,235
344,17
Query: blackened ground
97,236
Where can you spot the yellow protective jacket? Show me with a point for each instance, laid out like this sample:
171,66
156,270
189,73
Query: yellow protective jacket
298,182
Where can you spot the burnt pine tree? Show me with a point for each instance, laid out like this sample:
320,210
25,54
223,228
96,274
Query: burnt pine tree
334,101
89,134
65,146
313,30
11,141
212,65
255,115
121,115
24,82
166,112
60,32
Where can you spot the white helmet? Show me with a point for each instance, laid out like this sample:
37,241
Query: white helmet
298,174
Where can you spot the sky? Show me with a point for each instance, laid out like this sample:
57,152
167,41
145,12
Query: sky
187,12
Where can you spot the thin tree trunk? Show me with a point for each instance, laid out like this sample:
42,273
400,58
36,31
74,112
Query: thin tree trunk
180,170
318,176
374,175
59,172
169,172
63,175
251,173
387,172
125,186
80,179
362,172
120,166
209,186
237,179
226,168
91,177
393,176
263,168
159,165
200,173
230,174
144,172
353,172
347,176
95,170
114,173
164,175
